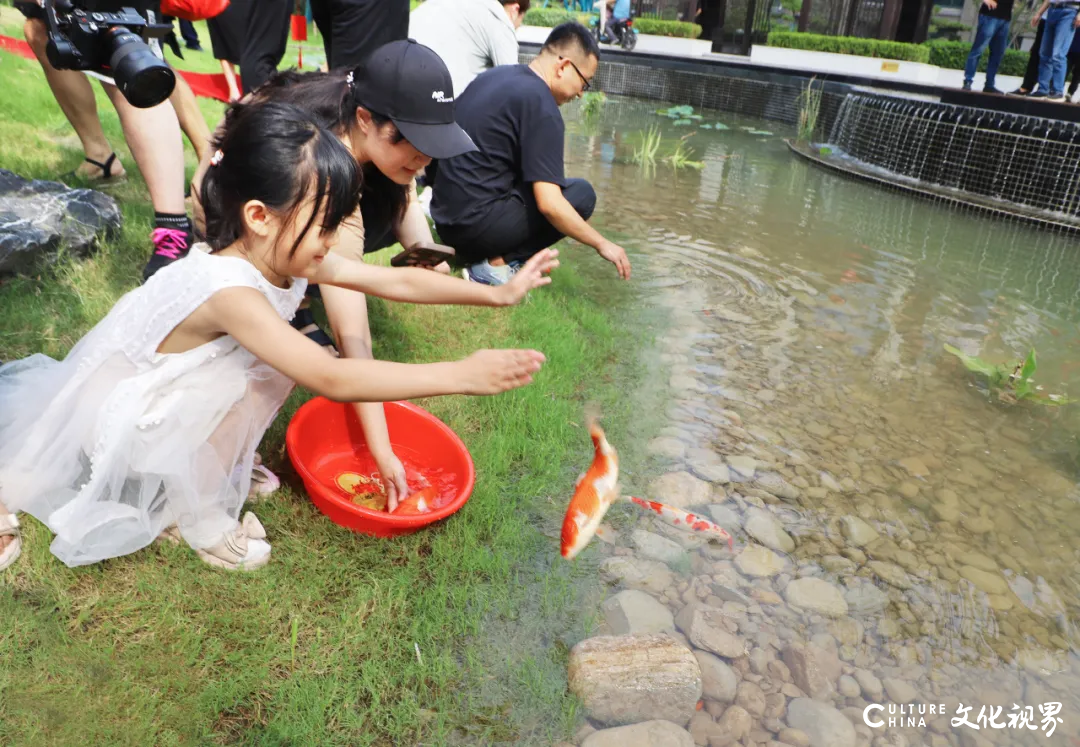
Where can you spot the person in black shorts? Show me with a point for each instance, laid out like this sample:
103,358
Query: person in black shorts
503,203
266,34
353,29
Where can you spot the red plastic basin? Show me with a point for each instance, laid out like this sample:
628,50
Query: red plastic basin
324,439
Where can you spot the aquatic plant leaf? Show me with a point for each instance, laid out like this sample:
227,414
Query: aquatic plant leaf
706,126
720,126
972,363
760,132
695,117
682,122
1028,369
825,151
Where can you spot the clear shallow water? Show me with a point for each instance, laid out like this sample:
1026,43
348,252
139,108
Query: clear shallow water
808,315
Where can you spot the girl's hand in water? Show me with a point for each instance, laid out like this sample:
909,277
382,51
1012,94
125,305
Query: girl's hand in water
532,275
392,472
495,371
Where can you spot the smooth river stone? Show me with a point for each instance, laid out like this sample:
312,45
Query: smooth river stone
825,725
681,490
704,626
991,583
891,574
634,611
816,595
759,562
857,531
766,529
656,733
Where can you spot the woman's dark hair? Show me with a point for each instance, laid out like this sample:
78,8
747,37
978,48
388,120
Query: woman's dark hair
277,154
331,101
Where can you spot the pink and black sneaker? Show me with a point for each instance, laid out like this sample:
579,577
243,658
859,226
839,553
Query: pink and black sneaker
170,244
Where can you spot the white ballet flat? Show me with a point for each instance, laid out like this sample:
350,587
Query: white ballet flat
263,482
243,549
9,527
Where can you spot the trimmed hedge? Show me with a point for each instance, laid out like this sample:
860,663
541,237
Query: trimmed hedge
888,50
681,29
953,55
551,17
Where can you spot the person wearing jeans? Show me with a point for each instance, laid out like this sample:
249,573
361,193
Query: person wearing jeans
994,19
1061,21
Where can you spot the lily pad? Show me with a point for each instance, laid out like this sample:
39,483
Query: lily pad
681,122
720,126
677,112
706,126
760,132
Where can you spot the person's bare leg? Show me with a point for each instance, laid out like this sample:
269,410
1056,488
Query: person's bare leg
5,540
75,96
154,138
230,79
191,119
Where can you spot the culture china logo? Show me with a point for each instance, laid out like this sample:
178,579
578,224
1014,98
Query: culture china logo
877,716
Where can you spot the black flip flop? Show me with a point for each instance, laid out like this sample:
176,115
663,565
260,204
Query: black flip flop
106,170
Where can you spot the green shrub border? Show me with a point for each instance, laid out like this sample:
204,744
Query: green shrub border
551,17
888,50
951,55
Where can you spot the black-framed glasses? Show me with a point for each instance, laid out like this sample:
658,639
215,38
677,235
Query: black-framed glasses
587,85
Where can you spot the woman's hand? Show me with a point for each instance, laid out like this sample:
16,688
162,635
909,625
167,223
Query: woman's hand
392,473
532,275
496,371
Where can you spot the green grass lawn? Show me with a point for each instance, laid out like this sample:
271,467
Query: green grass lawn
319,648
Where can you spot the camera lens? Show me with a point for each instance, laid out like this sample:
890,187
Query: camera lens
144,79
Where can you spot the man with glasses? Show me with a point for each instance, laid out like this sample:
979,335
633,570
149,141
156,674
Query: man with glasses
500,205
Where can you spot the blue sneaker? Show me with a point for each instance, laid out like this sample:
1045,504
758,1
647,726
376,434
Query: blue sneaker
488,274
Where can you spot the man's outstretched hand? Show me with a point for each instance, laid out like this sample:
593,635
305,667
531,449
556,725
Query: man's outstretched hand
616,255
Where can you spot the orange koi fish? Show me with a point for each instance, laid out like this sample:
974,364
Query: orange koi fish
594,493
597,489
420,502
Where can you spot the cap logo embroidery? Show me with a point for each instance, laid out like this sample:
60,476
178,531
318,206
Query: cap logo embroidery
441,97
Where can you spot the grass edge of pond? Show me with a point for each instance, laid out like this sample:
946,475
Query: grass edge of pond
319,647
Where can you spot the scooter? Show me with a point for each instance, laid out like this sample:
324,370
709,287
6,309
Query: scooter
623,28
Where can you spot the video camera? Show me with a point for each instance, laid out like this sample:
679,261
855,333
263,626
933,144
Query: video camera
111,43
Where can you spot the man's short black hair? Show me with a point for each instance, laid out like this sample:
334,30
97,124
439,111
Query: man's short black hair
523,3
571,36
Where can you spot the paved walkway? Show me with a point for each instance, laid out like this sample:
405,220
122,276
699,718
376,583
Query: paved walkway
699,49
648,43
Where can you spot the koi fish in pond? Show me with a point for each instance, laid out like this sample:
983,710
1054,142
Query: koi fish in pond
598,488
594,493
684,519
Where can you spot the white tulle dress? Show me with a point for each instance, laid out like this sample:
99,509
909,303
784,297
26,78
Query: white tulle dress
117,442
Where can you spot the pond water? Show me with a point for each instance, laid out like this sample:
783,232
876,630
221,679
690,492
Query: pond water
811,408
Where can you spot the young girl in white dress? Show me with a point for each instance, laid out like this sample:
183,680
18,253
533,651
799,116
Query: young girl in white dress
150,424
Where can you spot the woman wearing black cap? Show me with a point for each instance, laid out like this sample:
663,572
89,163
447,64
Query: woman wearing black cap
395,113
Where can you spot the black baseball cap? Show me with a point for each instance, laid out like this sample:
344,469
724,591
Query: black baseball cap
409,83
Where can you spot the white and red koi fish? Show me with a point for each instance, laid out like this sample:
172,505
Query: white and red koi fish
598,488
594,493
683,519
